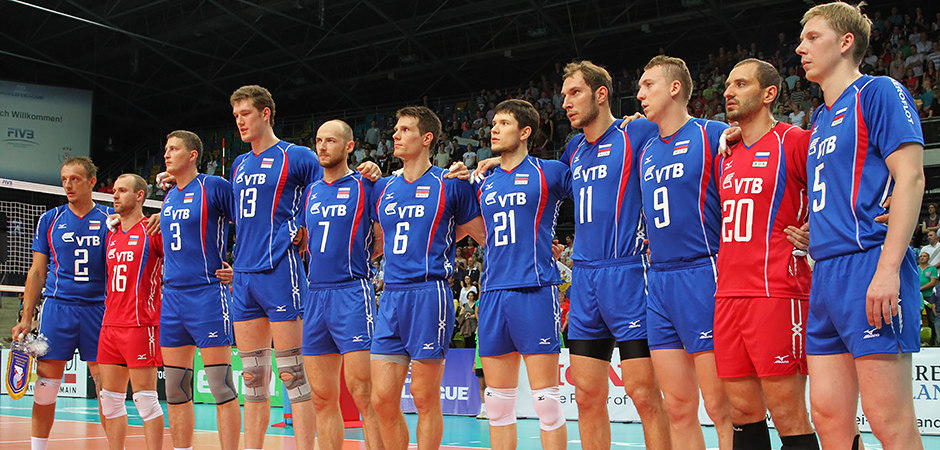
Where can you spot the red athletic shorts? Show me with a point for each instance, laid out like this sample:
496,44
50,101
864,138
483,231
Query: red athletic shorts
129,346
760,336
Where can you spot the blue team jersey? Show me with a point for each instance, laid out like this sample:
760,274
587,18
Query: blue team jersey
76,247
338,219
606,191
269,192
680,196
194,226
419,224
847,177
520,209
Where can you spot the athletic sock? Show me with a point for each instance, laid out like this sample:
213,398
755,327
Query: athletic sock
800,442
36,443
855,443
752,436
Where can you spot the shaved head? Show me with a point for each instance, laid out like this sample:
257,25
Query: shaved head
339,128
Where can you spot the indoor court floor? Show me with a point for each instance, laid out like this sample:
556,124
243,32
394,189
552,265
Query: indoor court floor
76,428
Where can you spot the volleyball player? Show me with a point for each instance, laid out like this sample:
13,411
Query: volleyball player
864,313
683,216
339,310
422,215
69,263
762,297
196,301
519,307
127,346
608,291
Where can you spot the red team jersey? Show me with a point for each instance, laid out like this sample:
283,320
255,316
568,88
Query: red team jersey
763,190
135,262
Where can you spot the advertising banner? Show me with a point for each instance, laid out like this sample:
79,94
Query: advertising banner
41,126
460,390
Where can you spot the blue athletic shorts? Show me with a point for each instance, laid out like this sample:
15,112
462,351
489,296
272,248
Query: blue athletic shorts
837,322
339,319
608,300
276,294
197,316
415,319
70,326
682,305
526,320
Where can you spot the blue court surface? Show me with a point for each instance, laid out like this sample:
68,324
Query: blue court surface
76,416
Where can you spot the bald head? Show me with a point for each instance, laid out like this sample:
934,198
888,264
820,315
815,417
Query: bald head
337,128
334,143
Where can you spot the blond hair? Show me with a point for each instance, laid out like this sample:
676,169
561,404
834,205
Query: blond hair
845,18
674,69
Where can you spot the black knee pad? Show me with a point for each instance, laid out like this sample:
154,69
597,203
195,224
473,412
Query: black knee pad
602,349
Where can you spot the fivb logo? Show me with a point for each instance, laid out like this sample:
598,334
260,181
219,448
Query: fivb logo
21,137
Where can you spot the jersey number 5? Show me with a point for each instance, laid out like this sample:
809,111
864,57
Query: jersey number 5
820,187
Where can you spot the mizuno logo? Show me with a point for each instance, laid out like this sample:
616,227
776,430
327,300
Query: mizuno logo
544,341
705,334
781,360
142,357
389,196
213,334
635,324
281,308
61,226
872,333
428,346
357,338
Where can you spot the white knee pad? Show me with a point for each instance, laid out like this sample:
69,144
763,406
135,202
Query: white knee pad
46,390
112,404
148,405
501,406
547,403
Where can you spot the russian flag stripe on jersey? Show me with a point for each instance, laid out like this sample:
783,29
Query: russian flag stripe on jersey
861,151
266,163
94,225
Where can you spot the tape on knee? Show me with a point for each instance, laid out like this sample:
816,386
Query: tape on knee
179,384
290,367
221,384
547,403
256,371
46,390
148,405
501,406
112,404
